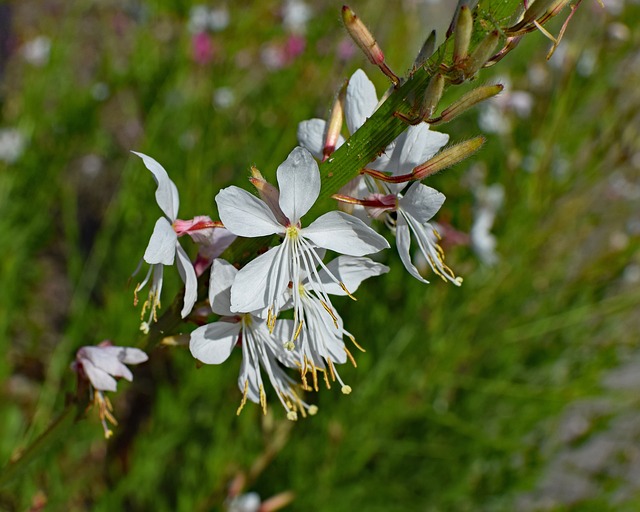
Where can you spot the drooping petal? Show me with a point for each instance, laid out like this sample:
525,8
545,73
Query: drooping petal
351,272
190,280
245,215
212,242
162,245
167,192
403,243
299,183
421,202
345,234
106,359
361,100
222,275
260,281
311,136
99,379
213,343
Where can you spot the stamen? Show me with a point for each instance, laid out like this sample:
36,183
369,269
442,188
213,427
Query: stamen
244,397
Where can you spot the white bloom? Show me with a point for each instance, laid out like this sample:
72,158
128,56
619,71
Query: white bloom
296,14
320,344
412,148
12,144
36,52
262,282
248,502
213,344
483,242
164,248
415,208
99,365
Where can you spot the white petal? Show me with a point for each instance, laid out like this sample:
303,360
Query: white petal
162,245
212,242
403,242
107,359
259,282
99,379
167,192
130,355
190,280
421,202
222,275
345,234
351,272
299,183
360,102
250,375
311,136
245,215
213,343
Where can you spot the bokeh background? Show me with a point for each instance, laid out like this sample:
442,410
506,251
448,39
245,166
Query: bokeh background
517,391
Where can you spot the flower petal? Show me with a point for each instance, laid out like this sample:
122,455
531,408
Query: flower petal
213,343
108,359
190,280
311,136
420,145
245,215
259,283
351,272
403,243
361,100
421,202
345,234
222,275
167,192
99,379
299,183
162,244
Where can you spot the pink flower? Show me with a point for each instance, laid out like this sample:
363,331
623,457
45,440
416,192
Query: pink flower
202,48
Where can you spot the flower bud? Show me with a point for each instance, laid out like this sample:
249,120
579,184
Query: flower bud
448,157
432,96
426,51
362,37
367,43
463,31
483,52
334,126
467,101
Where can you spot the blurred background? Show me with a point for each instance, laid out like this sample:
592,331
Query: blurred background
516,391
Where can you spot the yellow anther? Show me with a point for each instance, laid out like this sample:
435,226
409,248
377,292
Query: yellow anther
342,285
353,361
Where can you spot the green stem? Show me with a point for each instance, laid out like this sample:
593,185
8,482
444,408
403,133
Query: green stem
17,465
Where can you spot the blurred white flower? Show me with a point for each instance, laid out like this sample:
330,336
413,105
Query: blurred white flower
99,365
203,18
36,52
488,201
295,16
223,97
248,502
12,144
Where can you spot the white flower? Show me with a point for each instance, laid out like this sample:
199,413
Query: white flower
164,248
262,282
12,144
213,344
415,208
99,365
320,344
412,148
36,52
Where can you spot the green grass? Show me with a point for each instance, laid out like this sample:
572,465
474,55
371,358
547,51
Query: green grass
458,388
